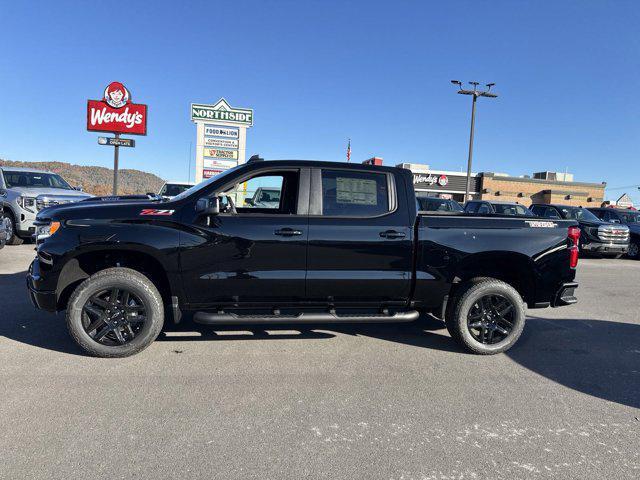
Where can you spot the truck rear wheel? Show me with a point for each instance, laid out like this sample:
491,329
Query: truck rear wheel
116,312
486,316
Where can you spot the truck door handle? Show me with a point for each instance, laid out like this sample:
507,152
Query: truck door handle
287,232
392,234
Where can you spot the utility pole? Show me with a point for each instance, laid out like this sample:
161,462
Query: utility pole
475,93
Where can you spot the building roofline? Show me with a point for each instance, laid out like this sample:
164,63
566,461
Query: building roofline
541,180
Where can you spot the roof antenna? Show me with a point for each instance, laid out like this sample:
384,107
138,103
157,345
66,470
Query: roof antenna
255,158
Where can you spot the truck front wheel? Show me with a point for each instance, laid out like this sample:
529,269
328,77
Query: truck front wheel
116,312
486,316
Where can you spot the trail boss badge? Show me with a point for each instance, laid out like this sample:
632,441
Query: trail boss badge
115,112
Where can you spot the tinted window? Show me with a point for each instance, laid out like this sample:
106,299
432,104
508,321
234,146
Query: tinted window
630,217
471,207
484,208
273,192
577,213
35,180
173,189
432,204
511,209
552,213
354,194
539,211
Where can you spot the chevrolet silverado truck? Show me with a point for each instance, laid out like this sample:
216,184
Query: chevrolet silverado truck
345,243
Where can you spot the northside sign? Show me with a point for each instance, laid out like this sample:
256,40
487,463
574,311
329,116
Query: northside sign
115,113
222,112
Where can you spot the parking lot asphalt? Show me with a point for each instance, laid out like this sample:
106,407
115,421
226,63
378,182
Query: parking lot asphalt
363,401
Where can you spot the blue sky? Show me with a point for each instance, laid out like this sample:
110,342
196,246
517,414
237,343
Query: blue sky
316,73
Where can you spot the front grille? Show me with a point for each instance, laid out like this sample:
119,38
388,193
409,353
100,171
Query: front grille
613,234
42,203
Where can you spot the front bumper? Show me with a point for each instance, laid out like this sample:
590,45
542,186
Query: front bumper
565,295
615,248
42,299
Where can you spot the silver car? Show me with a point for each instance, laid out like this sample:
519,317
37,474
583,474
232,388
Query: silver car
24,192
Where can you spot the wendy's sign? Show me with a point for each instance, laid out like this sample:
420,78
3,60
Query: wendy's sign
115,112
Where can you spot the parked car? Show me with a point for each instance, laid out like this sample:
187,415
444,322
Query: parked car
484,207
597,237
24,192
435,204
171,189
344,244
265,197
630,218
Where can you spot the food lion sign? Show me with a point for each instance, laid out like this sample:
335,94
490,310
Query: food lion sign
222,126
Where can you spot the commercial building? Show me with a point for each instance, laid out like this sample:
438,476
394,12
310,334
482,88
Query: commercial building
541,187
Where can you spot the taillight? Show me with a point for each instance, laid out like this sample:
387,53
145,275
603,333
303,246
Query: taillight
574,237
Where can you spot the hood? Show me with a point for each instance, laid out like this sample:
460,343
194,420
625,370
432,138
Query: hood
101,207
590,223
51,192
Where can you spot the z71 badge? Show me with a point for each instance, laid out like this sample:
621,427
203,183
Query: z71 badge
153,211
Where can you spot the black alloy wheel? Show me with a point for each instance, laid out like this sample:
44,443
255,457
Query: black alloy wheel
491,319
114,316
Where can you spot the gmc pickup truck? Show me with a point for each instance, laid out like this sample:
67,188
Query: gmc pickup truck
344,243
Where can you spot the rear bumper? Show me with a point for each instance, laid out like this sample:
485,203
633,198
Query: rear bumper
42,299
565,295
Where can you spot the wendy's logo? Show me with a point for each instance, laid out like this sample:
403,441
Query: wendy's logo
116,95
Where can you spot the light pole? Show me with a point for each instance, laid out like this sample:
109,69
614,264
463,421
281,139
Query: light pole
475,93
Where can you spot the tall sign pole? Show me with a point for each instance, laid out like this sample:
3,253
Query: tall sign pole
475,93
116,114
116,151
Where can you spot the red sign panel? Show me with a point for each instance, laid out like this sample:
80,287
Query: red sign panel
206,173
115,112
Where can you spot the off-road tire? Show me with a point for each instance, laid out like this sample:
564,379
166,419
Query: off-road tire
462,301
14,239
126,278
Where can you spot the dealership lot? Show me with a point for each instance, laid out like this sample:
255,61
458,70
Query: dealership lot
381,401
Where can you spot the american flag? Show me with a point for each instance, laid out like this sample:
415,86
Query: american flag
349,151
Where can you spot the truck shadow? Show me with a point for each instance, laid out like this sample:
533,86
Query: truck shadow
596,357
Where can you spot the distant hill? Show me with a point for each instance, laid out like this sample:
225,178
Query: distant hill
97,180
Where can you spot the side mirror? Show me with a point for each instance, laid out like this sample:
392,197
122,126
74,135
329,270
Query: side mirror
208,206
249,201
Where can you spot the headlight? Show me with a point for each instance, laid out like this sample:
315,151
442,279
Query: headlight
45,231
27,203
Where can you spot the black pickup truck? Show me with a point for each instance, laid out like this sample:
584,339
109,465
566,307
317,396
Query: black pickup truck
344,243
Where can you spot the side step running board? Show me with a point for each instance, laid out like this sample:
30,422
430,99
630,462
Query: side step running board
315,317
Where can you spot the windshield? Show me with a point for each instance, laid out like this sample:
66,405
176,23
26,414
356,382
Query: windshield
630,217
578,213
434,204
205,183
173,189
35,180
514,209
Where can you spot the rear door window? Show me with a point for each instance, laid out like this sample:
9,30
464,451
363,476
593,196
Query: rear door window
354,194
